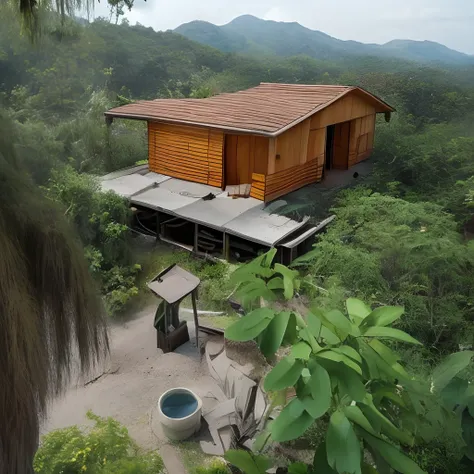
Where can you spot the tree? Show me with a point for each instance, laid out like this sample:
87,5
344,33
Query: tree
51,317
340,368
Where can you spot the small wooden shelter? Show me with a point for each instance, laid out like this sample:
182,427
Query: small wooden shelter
274,138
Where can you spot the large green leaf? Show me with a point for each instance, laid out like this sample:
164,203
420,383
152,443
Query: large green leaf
319,385
291,334
396,458
342,446
382,424
259,266
350,383
301,350
248,462
349,352
390,357
284,374
390,333
455,392
292,422
274,333
250,326
383,316
341,323
298,468
357,310
289,277
275,284
253,290
320,461
319,331
338,357
306,335
354,414
450,367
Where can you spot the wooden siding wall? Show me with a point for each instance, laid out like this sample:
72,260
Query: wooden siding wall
361,138
244,155
190,153
348,108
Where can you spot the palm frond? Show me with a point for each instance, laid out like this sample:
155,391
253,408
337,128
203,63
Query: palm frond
51,316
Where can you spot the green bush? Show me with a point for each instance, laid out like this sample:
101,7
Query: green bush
101,220
391,251
106,448
215,466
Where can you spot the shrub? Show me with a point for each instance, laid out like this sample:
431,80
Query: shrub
105,448
215,466
392,251
101,220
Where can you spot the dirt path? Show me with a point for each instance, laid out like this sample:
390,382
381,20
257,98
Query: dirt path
136,375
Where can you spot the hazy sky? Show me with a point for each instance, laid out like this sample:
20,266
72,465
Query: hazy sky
450,22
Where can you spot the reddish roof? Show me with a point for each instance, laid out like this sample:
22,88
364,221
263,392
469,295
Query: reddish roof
268,109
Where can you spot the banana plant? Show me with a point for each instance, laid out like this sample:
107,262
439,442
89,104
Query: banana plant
341,366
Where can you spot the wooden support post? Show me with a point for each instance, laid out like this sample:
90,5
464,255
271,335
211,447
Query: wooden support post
158,225
196,239
226,246
196,320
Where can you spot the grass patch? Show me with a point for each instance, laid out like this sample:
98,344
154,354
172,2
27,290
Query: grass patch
196,462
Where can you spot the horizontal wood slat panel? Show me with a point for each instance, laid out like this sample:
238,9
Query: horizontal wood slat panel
270,187
190,153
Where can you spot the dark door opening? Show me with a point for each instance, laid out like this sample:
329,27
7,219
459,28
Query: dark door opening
329,146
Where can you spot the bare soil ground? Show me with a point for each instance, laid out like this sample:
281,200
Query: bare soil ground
132,380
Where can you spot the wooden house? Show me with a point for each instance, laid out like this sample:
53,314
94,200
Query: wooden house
274,138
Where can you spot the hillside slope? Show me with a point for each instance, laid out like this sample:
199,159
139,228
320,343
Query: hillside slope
248,34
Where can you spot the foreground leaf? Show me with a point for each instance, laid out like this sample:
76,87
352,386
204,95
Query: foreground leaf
284,374
297,468
248,462
301,350
319,385
292,422
289,277
338,357
450,367
383,316
250,326
357,310
274,333
342,446
397,459
320,461
354,414
390,333
382,424
342,324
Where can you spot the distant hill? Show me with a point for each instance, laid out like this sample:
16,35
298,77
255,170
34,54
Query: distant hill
248,34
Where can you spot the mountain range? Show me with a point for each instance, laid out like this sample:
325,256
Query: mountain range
250,35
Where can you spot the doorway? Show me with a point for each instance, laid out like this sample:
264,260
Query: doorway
337,146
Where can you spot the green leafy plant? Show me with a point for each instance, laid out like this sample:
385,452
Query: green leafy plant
106,448
342,367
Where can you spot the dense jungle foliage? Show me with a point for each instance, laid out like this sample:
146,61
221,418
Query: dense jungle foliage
403,239
404,243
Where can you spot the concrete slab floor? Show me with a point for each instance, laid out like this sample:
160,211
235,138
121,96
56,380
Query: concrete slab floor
137,374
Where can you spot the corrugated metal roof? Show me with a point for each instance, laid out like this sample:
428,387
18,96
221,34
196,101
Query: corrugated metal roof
268,109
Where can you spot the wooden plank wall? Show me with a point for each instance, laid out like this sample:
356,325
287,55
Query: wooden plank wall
190,153
361,139
348,108
283,182
244,155
290,148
